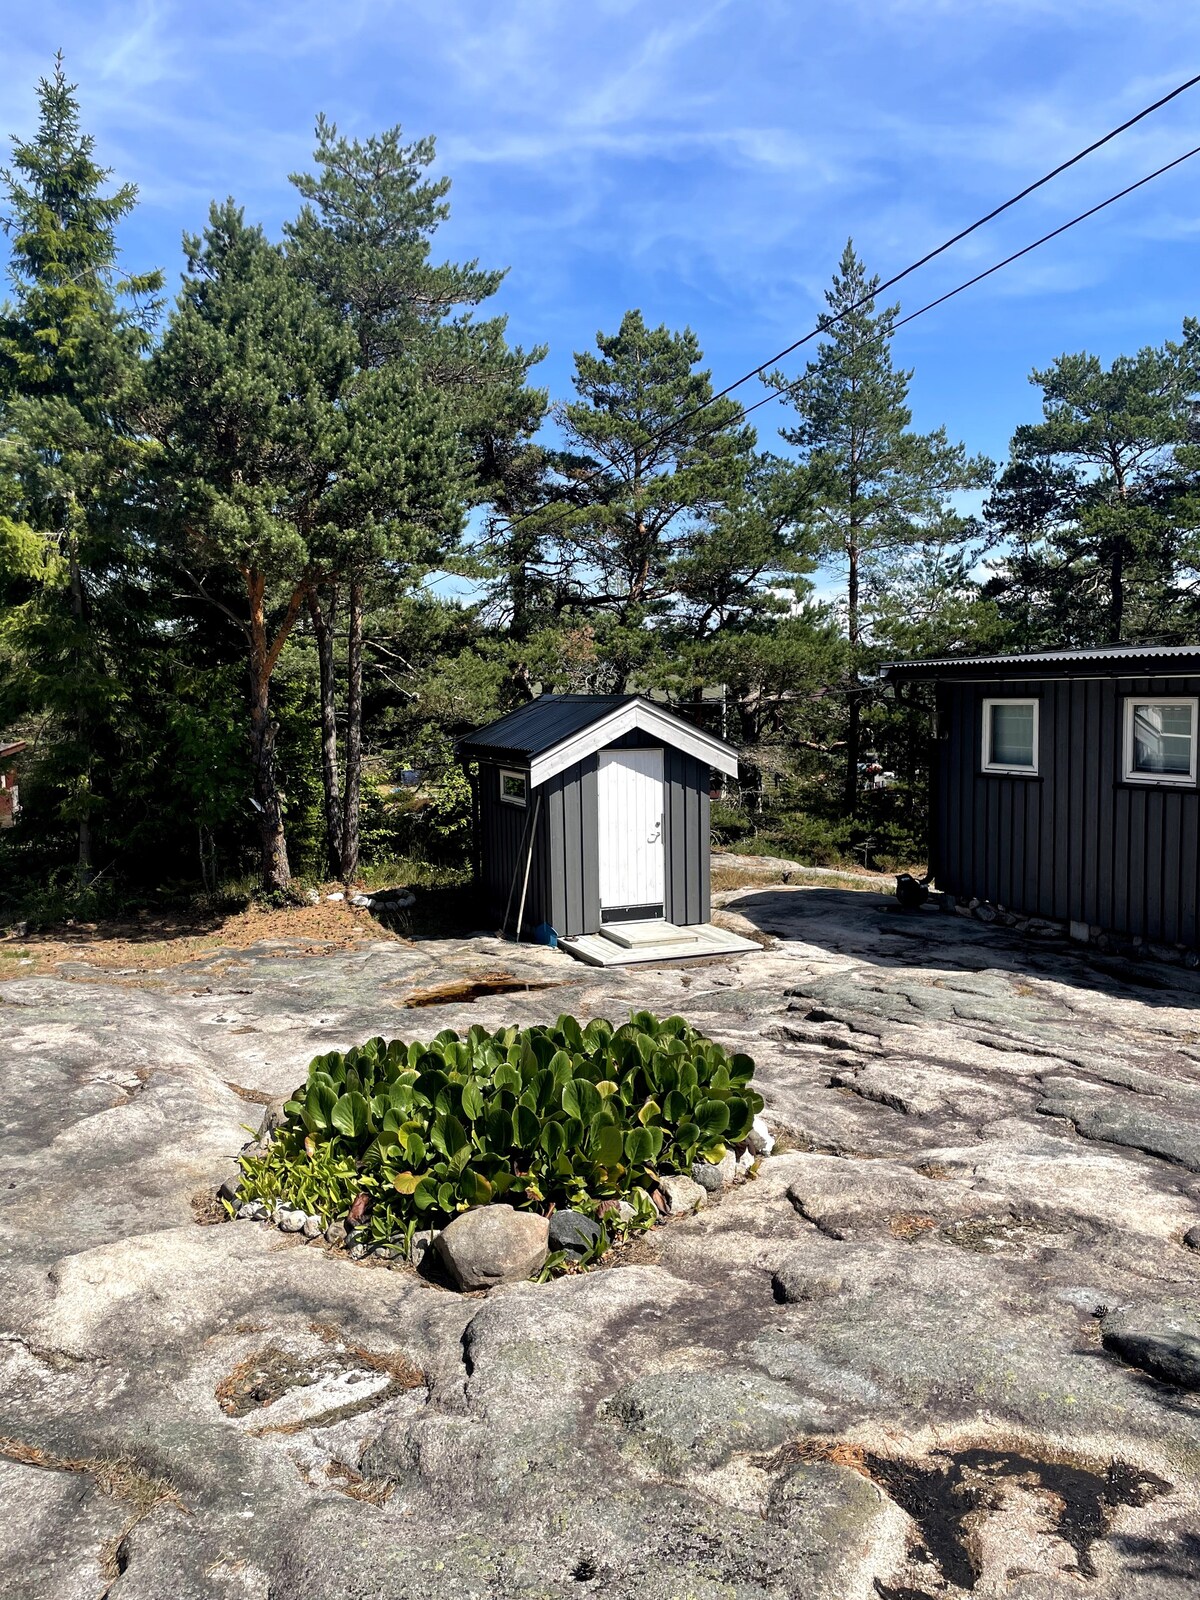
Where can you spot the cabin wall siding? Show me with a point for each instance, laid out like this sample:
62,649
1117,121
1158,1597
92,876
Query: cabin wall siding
1074,843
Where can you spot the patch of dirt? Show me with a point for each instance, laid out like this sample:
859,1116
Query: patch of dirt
258,1097
207,1209
910,1224
261,1379
992,1235
164,939
473,987
374,1491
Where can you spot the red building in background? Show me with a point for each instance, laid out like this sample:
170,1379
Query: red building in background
10,804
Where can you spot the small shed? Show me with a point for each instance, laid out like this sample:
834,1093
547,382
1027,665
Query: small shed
1064,786
592,820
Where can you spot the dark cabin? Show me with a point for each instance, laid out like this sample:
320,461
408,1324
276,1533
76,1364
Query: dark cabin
1064,786
593,810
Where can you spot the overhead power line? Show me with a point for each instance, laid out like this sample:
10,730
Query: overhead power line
882,288
968,283
826,322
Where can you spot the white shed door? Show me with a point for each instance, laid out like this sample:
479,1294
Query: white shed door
630,819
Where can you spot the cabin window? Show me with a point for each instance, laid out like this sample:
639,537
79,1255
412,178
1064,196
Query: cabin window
1160,739
514,787
1010,736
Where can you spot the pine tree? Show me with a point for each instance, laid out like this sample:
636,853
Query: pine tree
71,343
647,480
363,242
872,488
1096,507
248,384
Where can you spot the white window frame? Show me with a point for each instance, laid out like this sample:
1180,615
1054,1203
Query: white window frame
512,799
1173,779
986,762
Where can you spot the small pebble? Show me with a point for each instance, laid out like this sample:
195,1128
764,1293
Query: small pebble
335,1233
312,1227
290,1221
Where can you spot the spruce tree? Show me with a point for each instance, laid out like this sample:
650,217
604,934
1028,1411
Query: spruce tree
71,342
873,489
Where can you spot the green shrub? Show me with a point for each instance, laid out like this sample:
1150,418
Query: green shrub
568,1115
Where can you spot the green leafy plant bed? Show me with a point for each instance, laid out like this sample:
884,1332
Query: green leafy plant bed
402,1137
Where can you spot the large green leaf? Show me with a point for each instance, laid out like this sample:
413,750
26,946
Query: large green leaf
639,1147
448,1136
553,1139
526,1127
580,1099
711,1117
351,1115
498,1129
606,1143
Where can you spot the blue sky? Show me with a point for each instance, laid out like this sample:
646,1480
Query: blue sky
702,161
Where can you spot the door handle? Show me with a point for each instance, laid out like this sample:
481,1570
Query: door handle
653,838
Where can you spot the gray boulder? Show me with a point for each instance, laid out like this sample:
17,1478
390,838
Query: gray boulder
683,1196
714,1176
1192,1237
573,1233
289,1219
493,1244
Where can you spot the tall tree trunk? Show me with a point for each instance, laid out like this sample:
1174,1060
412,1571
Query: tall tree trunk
1116,599
353,780
83,866
854,713
276,873
323,628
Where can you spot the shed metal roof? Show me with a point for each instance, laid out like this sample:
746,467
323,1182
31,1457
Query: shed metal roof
1109,658
556,730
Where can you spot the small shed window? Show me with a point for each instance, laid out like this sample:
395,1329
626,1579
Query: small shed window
1010,736
514,787
1160,740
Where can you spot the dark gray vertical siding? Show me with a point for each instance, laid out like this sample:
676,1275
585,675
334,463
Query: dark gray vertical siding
569,801
1075,842
503,848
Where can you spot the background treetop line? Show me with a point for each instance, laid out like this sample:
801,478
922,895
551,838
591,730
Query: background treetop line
217,521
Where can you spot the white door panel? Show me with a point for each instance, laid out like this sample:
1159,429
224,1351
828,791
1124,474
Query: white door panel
630,818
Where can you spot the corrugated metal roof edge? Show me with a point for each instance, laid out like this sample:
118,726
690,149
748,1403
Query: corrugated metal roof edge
1109,653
